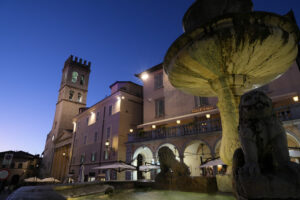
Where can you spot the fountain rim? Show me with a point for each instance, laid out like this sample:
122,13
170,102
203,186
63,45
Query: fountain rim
216,24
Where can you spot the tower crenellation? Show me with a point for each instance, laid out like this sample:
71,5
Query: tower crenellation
74,60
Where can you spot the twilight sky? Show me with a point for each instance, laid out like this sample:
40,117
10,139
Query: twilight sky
119,37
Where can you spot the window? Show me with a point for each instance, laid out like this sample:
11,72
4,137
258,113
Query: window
93,157
201,101
85,139
20,165
81,79
71,93
98,116
110,110
105,155
159,107
74,77
87,120
108,133
158,80
79,97
82,158
95,137
12,165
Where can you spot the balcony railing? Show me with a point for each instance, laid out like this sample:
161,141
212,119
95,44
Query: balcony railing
284,113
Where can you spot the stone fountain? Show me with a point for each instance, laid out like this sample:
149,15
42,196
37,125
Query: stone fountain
227,50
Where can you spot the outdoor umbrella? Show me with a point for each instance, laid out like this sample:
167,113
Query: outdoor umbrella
213,163
32,179
50,180
148,167
118,166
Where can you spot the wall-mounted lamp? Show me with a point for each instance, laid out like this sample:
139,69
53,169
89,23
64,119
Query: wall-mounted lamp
178,121
207,116
122,97
144,76
131,130
107,143
153,126
296,98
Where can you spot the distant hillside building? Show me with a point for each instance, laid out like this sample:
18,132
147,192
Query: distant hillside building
20,165
72,96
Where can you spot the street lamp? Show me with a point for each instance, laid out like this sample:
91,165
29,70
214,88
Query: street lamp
107,143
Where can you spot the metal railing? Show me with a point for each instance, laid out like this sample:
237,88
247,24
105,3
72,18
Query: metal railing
284,113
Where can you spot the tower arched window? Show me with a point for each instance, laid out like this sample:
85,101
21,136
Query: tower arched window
74,76
71,93
79,97
81,79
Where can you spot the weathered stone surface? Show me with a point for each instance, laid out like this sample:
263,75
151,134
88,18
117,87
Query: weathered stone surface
203,11
262,168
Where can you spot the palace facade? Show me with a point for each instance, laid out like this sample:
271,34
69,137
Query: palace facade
191,126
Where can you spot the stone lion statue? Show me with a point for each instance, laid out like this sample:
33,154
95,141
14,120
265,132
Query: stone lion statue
261,167
173,174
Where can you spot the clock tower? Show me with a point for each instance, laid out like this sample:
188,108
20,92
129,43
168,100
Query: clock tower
72,96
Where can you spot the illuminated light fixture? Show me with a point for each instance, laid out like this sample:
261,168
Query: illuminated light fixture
153,126
207,116
119,98
144,76
178,121
107,143
296,98
123,97
131,130
64,154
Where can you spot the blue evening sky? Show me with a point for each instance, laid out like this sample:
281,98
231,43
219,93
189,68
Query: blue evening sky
119,37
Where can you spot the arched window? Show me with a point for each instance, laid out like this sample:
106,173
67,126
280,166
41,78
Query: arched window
74,77
82,80
71,93
79,97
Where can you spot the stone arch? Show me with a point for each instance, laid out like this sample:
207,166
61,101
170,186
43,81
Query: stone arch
216,148
293,143
195,153
147,156
173,147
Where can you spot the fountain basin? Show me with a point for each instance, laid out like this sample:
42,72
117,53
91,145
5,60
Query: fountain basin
246,49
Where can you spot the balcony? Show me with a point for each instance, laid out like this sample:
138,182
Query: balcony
284,113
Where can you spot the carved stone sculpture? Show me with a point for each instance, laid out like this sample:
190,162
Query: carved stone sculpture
171,169
261,167
175,175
